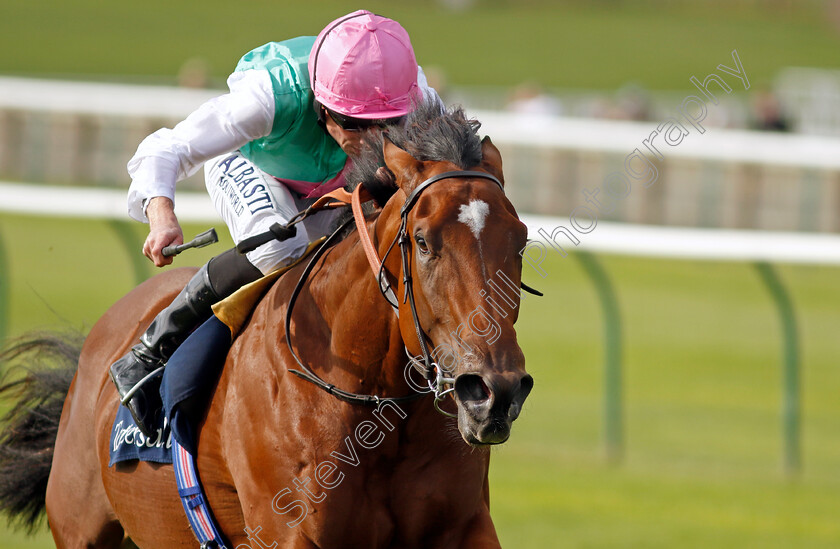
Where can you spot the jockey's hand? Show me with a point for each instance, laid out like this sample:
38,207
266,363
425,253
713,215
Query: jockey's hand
164,230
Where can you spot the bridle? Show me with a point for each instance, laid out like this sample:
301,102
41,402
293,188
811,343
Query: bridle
439,384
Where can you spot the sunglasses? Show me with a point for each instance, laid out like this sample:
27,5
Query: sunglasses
350,124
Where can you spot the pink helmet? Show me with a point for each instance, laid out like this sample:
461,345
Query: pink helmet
362,65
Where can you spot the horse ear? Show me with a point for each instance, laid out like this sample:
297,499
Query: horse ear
491,159
401,163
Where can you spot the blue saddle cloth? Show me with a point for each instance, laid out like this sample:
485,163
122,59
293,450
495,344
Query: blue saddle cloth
189,380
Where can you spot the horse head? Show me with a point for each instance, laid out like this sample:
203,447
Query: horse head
463,240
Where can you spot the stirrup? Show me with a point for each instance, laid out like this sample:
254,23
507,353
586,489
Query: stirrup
139,385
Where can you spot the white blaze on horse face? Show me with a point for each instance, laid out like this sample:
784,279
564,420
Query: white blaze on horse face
473,215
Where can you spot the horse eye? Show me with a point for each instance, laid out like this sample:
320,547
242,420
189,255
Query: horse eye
421,244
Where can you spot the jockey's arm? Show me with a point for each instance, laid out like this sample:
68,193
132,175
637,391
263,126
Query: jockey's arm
220,125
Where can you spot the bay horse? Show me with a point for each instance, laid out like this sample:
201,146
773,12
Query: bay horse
285,464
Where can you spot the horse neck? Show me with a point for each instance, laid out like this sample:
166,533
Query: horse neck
364,329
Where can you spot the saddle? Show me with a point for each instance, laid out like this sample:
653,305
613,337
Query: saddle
235,310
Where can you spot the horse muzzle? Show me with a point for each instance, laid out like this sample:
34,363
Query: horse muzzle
489,403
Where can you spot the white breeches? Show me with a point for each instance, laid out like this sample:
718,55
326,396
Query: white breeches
250,201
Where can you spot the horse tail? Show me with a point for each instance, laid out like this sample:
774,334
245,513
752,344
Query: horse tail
47,363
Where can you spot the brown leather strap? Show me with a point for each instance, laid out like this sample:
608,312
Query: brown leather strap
340,196
361,226
360,195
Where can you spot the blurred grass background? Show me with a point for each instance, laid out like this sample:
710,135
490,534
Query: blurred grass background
702,348
598,44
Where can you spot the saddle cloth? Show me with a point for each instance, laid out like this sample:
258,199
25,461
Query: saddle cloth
185,389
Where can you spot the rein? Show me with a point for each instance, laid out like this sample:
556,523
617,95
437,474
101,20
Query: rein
336,199
438,383
307,372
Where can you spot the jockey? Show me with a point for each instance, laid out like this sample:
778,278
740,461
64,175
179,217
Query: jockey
267,154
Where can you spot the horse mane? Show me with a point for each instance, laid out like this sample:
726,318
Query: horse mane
429,133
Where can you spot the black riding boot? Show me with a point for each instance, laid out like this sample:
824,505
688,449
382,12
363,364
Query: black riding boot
168,330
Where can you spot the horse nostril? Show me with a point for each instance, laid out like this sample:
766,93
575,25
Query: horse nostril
525,385
470,387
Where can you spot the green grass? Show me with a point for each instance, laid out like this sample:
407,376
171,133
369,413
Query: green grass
703,463
702,377
64,278
572,44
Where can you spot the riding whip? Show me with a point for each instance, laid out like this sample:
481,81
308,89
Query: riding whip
204,239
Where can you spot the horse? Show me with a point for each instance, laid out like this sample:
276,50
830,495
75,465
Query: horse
284,463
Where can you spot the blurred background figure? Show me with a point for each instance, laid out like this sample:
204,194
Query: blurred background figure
456,5
766,112
195,73
530,98
632,103
436,79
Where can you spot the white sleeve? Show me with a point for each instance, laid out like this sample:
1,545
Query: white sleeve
220,125
429,93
